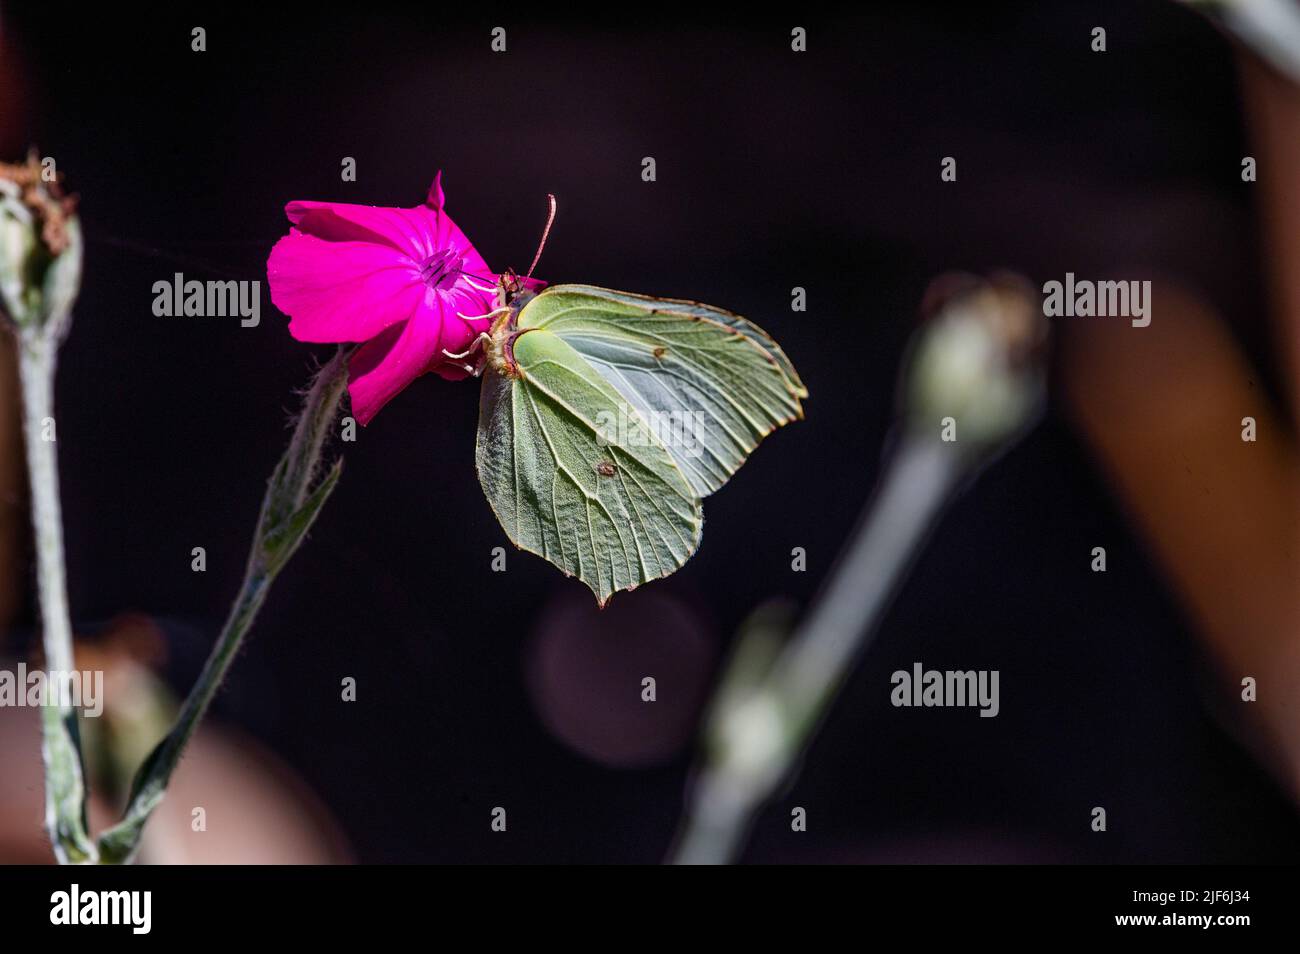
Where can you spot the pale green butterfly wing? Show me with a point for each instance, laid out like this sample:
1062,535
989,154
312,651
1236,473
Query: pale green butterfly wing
613,417
613,514
707,383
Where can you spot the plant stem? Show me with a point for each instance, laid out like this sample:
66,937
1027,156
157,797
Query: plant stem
120,844
65,790
288,510
918,483
980,360
765,733
1271,28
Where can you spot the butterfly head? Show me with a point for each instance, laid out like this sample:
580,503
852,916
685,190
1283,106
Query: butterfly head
513,293
510,287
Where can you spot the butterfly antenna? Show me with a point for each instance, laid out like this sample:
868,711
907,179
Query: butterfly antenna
550,220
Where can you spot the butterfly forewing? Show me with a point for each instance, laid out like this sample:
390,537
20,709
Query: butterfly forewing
706,384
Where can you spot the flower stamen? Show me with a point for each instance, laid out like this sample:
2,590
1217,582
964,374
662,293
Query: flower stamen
441,269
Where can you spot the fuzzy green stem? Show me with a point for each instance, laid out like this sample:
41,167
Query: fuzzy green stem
65,790
293,499
763,735
979,362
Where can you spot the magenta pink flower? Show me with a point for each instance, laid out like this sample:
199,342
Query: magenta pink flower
406,282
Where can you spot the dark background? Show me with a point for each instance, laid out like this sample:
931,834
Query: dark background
775,169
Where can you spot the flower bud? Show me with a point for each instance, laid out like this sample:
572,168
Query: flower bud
979,360
40,250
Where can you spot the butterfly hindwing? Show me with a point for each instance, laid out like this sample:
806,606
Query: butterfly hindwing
614,514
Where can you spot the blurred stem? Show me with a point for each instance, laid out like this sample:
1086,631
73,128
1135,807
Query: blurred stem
918,483
1269,27
977,361
767,732
65,789
289,508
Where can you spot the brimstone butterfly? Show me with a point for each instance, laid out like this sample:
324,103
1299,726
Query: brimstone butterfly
606,417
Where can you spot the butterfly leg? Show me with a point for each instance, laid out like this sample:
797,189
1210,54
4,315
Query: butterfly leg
476,343
491,314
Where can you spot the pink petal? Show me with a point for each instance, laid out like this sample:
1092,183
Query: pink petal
459,334
436,199
412,231
341,291
447,234
385,365
471,304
